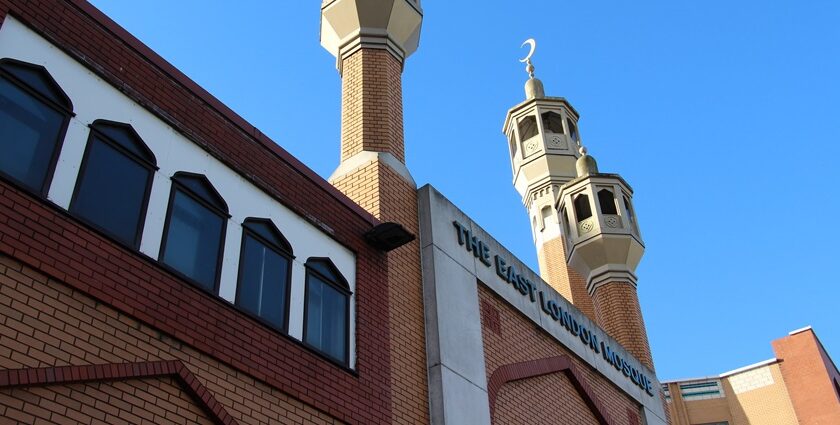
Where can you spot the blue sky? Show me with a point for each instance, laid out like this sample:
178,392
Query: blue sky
722,115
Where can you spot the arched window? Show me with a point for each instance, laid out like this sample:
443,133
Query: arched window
115,179
327,310
629,208
573,132
264,272
552,122
194,233
513,144
606,201
34,113
565,220
582,208
527,128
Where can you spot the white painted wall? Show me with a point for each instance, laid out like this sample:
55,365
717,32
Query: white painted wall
95,99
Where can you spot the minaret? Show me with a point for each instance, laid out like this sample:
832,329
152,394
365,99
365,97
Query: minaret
543,143
371,40
603,243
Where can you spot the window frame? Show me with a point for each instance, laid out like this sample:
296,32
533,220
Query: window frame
224,215
151,167
248,232
345,290
66,110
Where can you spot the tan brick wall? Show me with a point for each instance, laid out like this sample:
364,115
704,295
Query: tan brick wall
564,279
46,323
513,339
372,121
383,192
692,412
371,104
769,404
618,312
131,401
749,401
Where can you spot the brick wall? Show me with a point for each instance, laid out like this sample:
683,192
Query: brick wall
43,244
514,339
811,377
565,280
371,104
618,312
48,323
384,193
132,401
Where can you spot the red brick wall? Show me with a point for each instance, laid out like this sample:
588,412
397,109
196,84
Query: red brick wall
41,240
519,340
810,377
159,401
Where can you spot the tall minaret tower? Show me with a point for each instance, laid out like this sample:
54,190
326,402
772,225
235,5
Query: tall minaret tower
543,139
371,40
601,234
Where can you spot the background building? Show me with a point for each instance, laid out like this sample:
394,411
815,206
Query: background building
801,385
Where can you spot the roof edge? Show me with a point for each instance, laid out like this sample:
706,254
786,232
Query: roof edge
176,75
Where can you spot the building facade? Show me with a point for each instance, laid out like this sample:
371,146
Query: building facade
800,385
162,261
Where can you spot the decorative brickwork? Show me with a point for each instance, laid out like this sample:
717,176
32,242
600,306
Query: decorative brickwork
618,312
371,104
564,279
133,401
157,398
556,376
522,344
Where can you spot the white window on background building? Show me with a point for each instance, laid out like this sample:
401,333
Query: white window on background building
701,390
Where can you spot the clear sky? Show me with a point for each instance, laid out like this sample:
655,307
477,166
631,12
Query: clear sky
724,116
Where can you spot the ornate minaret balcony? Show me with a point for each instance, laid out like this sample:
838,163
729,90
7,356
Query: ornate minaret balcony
601,231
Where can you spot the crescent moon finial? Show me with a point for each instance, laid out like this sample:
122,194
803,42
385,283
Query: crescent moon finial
527,59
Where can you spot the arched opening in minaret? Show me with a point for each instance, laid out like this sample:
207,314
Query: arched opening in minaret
582,208
606,200
573,132
628,208
528,128
512,142
552,122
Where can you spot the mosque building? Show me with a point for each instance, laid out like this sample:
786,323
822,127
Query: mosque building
164,261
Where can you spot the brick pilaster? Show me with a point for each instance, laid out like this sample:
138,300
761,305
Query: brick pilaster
564,279
618,312
371,104
372,121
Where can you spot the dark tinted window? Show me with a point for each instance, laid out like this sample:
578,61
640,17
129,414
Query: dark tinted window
573,130
528,128
192,244
113,188
327,314
31,123
552,122
582,208
264,273
606,201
